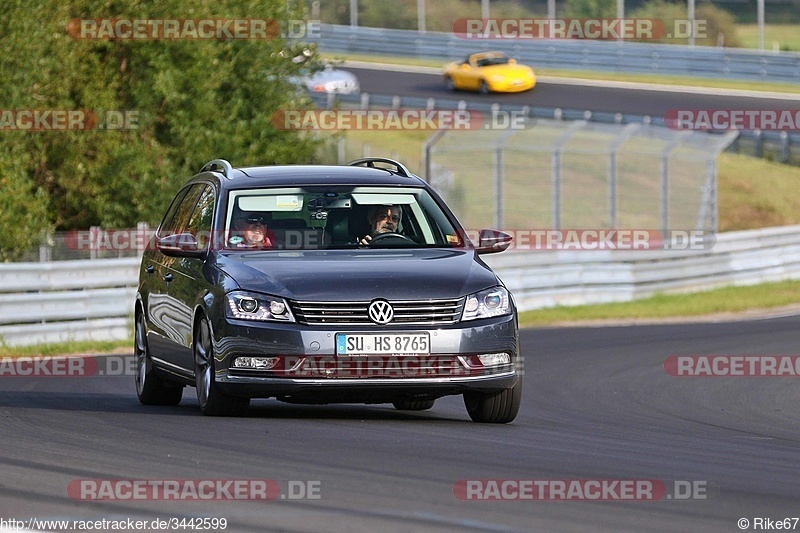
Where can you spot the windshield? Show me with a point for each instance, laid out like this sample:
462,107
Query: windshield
492,60
314,218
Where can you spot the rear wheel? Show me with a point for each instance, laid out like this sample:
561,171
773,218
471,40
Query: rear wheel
449,83
150,388
484,87
212,401
496,407
417,405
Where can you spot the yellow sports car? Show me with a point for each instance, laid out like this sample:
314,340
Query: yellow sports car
489,72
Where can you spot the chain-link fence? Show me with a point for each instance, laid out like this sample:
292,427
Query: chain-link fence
577,174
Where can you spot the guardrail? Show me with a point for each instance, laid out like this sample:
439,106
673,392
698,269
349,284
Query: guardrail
546,279
571,54
93,299
67,300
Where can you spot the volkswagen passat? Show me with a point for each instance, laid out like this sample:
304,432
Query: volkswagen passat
323,284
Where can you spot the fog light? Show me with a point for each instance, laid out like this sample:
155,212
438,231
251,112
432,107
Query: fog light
494,359
256,363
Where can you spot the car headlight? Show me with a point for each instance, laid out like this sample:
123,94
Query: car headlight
253,306
487,303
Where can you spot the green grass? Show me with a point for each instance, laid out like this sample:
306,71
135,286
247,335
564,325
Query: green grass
786,35
689,81
72,347
724,300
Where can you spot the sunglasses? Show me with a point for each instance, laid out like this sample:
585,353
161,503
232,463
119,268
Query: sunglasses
255,219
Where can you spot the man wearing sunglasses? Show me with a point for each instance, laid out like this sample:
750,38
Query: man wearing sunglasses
250,231
383,219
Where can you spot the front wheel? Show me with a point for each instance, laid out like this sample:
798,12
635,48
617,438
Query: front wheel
449,83
212,401
496,407
151,389
484,87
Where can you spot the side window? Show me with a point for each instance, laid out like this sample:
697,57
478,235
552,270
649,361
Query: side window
202,217
178,214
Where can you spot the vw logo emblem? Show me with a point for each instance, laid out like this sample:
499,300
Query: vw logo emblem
381,312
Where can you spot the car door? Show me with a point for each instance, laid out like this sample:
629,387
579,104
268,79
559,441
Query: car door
164,333
187,284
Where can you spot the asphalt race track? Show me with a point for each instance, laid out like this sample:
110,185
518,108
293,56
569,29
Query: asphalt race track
568,95
598,405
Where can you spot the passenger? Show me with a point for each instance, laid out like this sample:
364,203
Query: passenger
250,231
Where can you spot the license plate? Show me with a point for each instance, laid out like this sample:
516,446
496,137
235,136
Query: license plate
383,344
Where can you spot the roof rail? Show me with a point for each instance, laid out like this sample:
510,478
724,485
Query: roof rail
227,169
370,162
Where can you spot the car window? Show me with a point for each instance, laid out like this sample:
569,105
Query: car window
319,217
489,61
202,217
177,217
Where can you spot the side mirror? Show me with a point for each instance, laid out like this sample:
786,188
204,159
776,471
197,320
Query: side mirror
512,61
180,245
492,241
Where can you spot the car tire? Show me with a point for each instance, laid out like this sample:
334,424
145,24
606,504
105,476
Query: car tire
212,401
497,407
150,388
415,405
449,83
484,87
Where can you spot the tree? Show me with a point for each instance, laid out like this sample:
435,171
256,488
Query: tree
189,101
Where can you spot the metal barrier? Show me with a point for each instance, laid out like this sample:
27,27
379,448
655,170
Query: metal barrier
67,300
546,279
93,299
628,57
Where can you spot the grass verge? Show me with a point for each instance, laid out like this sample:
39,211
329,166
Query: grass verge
68,348
718,301
786,36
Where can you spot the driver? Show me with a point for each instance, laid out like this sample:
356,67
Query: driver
382,219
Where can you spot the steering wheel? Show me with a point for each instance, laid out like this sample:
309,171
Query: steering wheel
389,235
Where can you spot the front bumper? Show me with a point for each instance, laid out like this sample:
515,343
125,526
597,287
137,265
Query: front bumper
512,85
308,370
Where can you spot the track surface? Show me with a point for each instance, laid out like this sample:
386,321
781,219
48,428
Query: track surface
569,95
597,405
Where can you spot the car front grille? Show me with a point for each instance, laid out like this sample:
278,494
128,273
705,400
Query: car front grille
406,312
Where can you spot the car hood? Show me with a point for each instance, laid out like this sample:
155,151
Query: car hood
339,275
512,71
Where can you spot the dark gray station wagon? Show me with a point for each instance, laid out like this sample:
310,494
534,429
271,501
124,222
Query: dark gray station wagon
323,284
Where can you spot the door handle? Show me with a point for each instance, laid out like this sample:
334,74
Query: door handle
150,269
167,277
